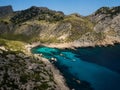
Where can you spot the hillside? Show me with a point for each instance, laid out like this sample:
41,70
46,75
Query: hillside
19,71
40,24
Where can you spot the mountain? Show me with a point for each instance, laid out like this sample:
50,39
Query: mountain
37,13
48,26
107,21
5,10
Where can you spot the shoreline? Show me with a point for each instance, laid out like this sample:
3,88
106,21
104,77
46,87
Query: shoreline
58,77
76,44
70,45
73,45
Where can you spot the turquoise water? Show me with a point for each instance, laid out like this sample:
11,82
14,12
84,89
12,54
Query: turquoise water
98,68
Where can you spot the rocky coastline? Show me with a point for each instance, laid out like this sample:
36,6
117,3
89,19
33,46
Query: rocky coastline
53,29
28,72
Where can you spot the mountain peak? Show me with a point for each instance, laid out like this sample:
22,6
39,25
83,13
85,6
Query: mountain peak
37,13
5,10
35,7
108,10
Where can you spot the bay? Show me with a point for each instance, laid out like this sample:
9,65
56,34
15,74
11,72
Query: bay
91,68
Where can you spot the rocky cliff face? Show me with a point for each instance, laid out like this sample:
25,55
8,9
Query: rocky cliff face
5,10
107,21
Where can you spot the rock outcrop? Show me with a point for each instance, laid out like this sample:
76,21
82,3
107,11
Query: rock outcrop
107,21
39,13
5,10
19,71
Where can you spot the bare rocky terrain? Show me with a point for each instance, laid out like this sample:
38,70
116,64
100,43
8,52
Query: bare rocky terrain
5,10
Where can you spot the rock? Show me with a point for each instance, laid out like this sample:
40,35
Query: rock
5,10
73,60
33,66
1,52
10,56
22,73
3,48
40,54
53,59
44,76
78,81
61,54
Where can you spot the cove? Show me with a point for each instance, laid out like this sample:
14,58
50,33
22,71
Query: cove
97,68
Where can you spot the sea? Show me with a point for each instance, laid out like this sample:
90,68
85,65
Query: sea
86,68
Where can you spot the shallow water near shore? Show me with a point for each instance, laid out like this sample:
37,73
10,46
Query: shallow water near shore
98,67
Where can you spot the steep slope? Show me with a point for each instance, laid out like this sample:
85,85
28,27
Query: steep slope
20,71
38,13
5,10
107,21
40,24
44,25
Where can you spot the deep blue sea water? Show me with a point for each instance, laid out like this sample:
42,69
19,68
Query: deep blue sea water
97,68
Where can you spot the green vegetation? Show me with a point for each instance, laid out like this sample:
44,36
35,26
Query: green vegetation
12,45
103,10
80,26
16,74
110,12
16,37
37,13
5,21
99,36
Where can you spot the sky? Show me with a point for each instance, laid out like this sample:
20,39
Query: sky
83,7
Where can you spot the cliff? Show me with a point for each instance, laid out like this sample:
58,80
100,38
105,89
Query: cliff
107,21
5,10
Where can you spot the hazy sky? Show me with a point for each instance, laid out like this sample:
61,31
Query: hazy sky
83,7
